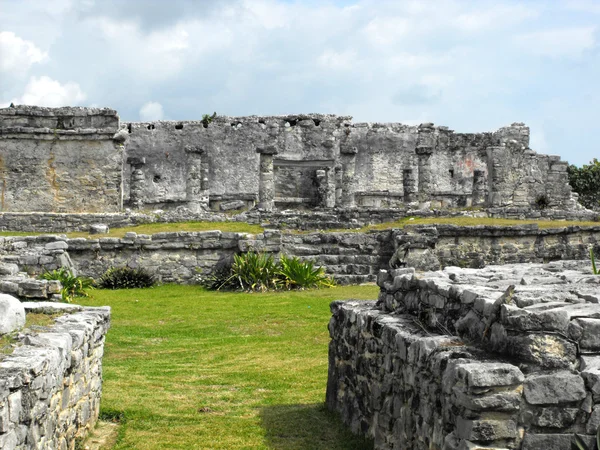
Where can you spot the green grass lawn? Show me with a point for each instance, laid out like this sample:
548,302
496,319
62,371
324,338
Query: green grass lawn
191,369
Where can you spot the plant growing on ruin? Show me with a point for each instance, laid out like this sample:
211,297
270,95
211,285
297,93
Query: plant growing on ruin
72,285
206,119
579,443
296,274
126,278
593,262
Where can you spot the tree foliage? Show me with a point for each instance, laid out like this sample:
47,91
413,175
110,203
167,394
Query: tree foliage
585,181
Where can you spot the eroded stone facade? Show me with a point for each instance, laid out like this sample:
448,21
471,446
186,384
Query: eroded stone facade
83,159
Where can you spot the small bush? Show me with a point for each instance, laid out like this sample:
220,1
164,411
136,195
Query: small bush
72,286
126,278
296,274
255,272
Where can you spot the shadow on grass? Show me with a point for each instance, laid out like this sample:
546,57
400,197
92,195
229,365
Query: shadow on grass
308,427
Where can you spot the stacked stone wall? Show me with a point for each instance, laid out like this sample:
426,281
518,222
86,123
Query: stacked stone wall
500,358
50,386
351,257
60,159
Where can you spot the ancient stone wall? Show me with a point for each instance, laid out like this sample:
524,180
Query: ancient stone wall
500,358
50,386
327,161
60,159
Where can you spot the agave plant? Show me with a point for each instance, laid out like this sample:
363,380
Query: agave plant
72,285
593,262
255,271
579,443
302,274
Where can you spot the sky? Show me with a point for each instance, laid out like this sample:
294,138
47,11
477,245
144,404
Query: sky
472,65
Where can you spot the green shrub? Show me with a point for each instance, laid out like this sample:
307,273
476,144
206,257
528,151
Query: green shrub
126,278
260,272
585,180
255,272
72,286
296,274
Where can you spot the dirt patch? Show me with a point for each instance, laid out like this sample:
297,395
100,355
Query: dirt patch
103,437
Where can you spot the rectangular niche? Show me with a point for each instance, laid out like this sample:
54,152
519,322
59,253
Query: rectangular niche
296,183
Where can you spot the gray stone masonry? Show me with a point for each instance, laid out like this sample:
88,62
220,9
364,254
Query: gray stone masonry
351,257
60,159
50,386
83,159
506,357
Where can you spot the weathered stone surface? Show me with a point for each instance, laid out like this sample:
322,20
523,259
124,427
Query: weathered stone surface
12,314
50,386
554,388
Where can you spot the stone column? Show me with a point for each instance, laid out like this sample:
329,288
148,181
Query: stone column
338,185
425,145
479,196
137,183
410,185
266,181
196,181
348,157
325,188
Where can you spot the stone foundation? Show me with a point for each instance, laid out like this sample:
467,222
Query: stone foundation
500,358
50,386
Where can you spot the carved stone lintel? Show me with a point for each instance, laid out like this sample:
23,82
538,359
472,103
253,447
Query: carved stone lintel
268,150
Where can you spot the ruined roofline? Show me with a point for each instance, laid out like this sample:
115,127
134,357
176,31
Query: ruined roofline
28,110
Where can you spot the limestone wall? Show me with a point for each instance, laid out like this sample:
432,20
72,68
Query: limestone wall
50,386
351,257
60,159
505,357
382,165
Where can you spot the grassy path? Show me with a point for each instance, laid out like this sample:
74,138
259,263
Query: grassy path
189,369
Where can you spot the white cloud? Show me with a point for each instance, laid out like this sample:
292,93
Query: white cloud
44,91
564,42
151,111
331,59
497,16
18,54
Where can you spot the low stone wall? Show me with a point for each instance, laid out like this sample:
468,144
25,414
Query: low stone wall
351,257
316,219
502,358
179,257
50,386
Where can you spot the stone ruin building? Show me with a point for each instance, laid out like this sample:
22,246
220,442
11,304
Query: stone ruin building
505,357
86,160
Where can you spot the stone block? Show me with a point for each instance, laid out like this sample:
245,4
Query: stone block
12,314
478,375
485,430
552,389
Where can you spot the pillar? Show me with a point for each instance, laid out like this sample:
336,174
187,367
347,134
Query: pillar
348,159
338,185
196,181
479,196
325,188
266,181
410,186
137,182
425,146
